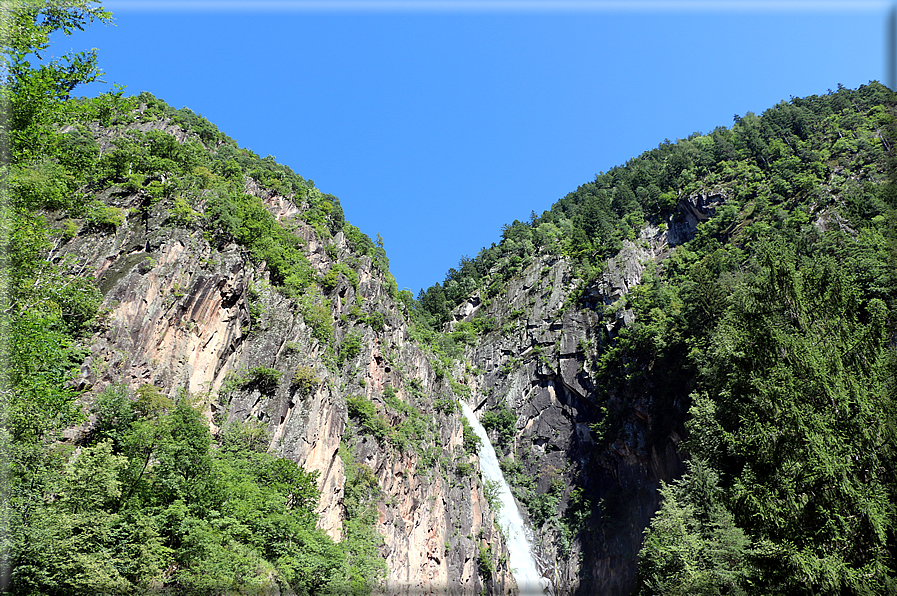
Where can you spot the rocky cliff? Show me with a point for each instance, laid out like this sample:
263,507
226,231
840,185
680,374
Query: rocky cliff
600,492
338,384
182,313
232,284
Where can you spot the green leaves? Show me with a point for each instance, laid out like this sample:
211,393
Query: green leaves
92,479
360,538
786,327
471,442
349,348
75,554
503,421
27,24
42,185
693,545
41,359
146,503
244,219
370,421
800,424
33,97
169,511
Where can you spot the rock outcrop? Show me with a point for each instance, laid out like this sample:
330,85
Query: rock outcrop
692,211
540,365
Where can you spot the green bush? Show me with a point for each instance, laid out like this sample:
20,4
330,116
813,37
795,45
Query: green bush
412,434
465,333
360,537
70,229
243,218
182,213
370,421
543,506
490,491
484,325
375,321
503,421
103,217
318,317
463,467
391,397
331,279
45,185
349,348
249,435
304,379
446,405
459,389
484,560
264,378
471,441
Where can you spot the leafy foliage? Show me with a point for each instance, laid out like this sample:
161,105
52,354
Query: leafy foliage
471,442
350,348
361,540
786,328
244,219
304,379
774,325
503,421
151,494
693,545
806,358
370,421
264,378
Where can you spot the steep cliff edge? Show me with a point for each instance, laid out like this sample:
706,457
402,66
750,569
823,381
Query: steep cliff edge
185,311
334,373
335,380
589,497
604,356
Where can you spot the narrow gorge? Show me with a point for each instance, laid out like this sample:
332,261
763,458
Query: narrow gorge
184,313
677,379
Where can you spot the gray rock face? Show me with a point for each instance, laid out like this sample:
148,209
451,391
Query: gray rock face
695,209
624,271
542,369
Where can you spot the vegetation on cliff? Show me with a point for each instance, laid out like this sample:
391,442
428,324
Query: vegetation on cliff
148,500
772,324
802,157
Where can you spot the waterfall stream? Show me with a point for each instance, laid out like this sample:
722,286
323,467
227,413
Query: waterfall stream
523,564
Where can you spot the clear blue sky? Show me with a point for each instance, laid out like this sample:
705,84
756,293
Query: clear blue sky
436,122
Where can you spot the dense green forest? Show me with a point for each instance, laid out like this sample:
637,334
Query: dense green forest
773,324
776,322
774,169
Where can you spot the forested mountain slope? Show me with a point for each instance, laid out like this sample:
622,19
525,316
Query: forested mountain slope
731,300
212,384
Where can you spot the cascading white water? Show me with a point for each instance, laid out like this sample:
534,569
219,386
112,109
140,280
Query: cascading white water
523,565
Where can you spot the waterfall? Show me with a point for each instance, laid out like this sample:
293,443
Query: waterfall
523,564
